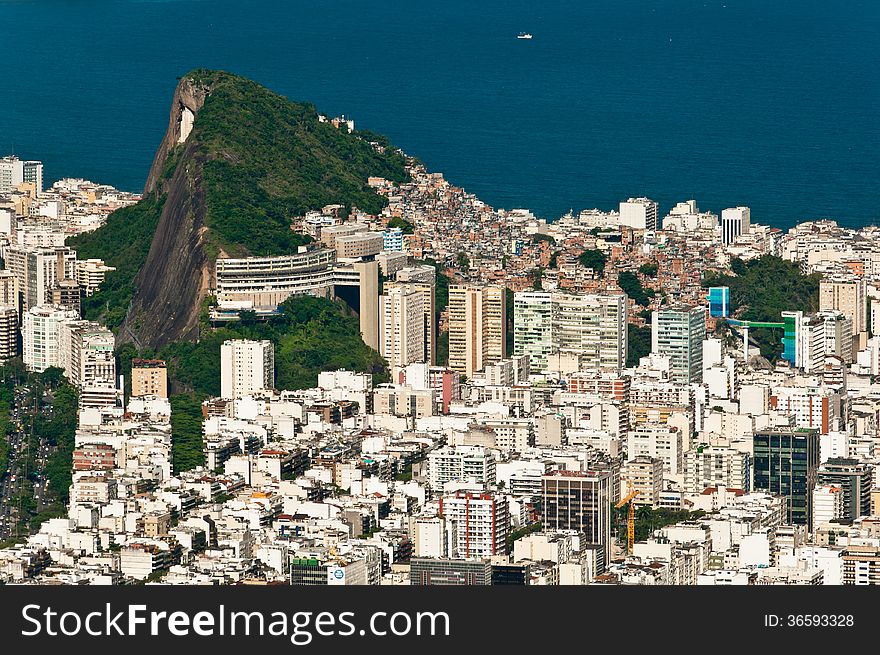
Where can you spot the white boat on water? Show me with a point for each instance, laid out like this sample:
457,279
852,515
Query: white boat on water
524,35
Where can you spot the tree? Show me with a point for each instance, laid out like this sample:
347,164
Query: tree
594,259
405,226
632,287
537,275
187,449
52,377
463,262
639,343
762,289
649,269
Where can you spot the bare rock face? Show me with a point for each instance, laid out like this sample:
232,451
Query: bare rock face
189,97
176,274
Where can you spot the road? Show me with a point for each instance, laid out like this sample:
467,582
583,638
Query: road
11,479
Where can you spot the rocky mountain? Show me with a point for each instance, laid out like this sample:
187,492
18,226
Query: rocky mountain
237,163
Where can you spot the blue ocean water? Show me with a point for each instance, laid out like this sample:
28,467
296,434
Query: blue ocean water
768,104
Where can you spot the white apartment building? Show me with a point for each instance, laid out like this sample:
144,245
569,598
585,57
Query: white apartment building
461,463
15,171
511,434
645,475
658,440
846,294
402,326
716,466
266,282
86,353
432,536
41,335
592,326
8,332
39,270
811,407
245,367
734,222
482,523
827,504
90,274
477,327
639,213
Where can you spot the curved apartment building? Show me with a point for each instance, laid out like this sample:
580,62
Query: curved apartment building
266,282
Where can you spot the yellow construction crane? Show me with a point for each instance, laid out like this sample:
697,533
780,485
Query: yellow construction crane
631,517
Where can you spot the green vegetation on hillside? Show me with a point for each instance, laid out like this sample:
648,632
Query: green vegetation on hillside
269,159
405,226
266,160
310,335
631,285
763,289
638,343
122,243
594,259
649,269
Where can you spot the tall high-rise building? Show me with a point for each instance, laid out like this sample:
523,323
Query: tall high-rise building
734,221
8,332
846,294
786,462
678,333
66,294
533,327
645,474
9,289
855,478
716,466
804,341
580,501
149,377
402,326
429,312
593,326
719,302
482,523
86,354
39,270
40,331
639,213
477,327
15,171
838,335
245,367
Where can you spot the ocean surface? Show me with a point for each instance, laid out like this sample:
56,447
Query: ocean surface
768,104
